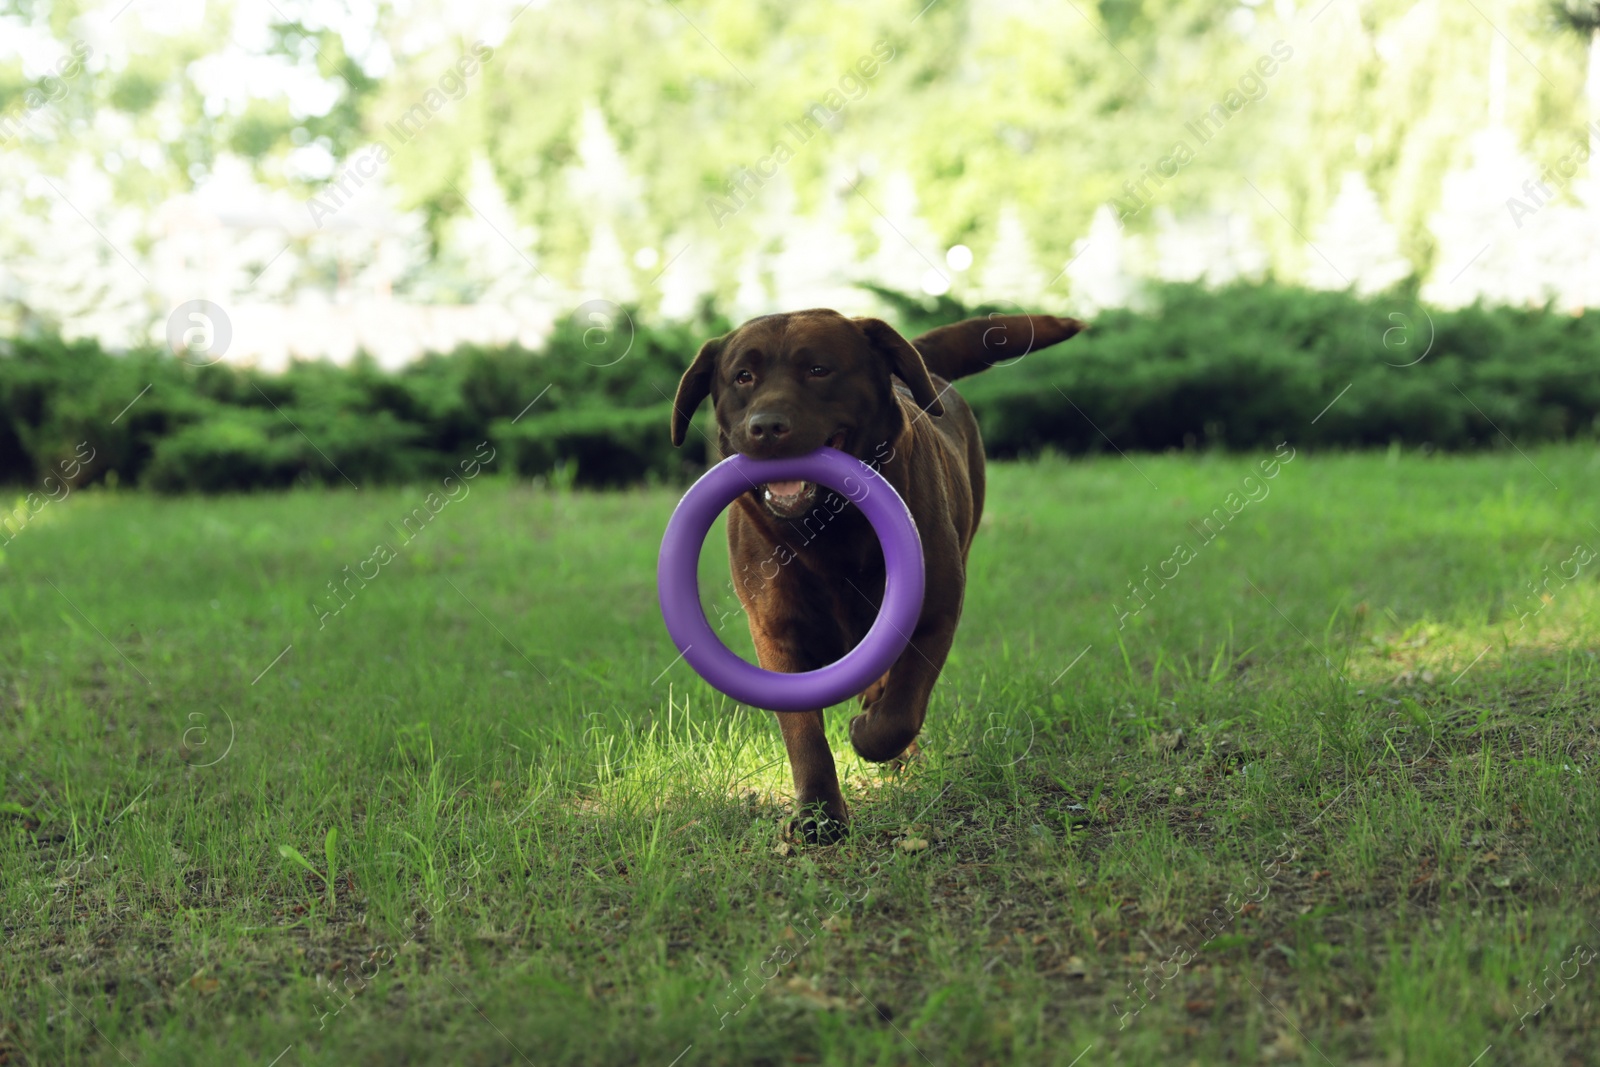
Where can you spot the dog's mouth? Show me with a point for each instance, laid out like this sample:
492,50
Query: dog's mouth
791,499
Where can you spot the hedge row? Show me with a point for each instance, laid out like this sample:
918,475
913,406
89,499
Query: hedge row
1241,367
579,409
1252,365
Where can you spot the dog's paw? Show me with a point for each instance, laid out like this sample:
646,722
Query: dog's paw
876,743
874,693
814,826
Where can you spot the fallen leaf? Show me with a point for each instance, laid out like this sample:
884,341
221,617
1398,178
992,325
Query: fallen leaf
805,990
201,982
1170,741
913,844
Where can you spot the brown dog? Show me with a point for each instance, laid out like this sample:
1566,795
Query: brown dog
808,567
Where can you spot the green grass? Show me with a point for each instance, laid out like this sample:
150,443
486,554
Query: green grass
482,815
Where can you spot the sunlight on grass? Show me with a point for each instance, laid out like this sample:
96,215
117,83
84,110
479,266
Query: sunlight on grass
500,785
1429,653
698,748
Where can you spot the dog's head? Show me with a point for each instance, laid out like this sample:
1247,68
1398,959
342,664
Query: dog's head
783,385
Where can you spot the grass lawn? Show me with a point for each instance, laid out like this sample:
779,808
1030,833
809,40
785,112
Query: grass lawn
1328,796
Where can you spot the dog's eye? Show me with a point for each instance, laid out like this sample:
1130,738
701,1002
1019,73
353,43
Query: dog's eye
744,377
820,372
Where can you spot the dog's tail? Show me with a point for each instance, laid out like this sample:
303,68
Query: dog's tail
967,347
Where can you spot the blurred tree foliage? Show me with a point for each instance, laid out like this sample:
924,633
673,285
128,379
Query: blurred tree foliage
985,103
137,112
1049,107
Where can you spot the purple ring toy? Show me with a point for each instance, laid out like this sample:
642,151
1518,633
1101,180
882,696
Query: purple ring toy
677,581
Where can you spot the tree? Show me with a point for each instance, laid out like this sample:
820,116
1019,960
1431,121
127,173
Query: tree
1582,17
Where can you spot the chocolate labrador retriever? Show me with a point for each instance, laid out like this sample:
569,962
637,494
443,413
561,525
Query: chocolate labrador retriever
807,566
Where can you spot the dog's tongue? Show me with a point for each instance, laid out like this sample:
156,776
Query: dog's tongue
786,488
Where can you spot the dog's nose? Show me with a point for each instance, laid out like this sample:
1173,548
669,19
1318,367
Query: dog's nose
769,426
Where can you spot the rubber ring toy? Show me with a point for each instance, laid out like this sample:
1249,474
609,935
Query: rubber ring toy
677,581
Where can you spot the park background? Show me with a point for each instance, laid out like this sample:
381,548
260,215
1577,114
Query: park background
337,720
366,186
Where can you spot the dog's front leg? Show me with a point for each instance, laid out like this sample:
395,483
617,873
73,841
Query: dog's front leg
820,814
897,703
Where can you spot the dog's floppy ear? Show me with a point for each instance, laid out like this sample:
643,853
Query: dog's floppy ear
693,387
905,362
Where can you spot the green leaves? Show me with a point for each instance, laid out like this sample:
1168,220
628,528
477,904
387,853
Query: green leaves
1248,366
1243,367
329,852
1581,17
289,852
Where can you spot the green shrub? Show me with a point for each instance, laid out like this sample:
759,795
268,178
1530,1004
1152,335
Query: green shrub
1251,365
607,446
236,450
1245,366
